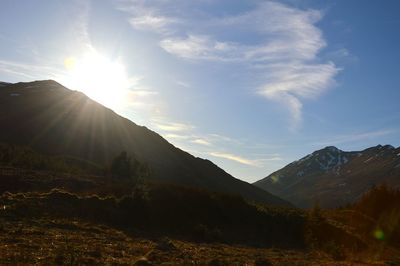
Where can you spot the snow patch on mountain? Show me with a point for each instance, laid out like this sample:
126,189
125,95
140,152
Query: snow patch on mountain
329,158
332,149
369,159
304,159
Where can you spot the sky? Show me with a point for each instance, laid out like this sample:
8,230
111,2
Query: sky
250,85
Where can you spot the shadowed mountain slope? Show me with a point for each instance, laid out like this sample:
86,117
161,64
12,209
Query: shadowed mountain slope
57,121
333,177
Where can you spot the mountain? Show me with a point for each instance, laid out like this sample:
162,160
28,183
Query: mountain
333,177
3,84
57,121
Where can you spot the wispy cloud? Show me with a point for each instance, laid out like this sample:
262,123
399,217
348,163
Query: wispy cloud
276,158
183,84
171,126
152,22
226,139
184,135
188,135
28,71
176,136
81,22
258,162
202,142
235,158
292,82
361,136
146,17
201,47
281,46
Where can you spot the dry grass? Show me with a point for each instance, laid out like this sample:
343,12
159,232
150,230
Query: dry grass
73,242
42,227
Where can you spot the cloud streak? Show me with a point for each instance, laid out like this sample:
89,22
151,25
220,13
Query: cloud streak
183,135
235,158
28,71
146,17
172,127
356,137
202,142
283,49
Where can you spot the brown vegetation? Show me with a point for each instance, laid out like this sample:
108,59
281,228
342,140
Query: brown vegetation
49,216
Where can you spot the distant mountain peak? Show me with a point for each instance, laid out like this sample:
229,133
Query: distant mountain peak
328,149
331,148
389,147
324,159
380,146
334,177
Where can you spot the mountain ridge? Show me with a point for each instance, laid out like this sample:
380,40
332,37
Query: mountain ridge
333,177
55,120
3,83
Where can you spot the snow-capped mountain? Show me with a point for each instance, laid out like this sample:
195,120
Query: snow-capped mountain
326,159
333,177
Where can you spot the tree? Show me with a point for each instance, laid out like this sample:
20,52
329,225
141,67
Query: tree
124,166
121,166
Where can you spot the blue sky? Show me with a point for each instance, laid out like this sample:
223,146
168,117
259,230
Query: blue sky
251,85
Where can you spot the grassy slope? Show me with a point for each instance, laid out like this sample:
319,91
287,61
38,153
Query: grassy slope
206,229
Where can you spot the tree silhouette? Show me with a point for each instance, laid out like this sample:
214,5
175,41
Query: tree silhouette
121,166
124,166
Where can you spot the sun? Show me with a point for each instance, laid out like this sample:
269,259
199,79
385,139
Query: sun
100,78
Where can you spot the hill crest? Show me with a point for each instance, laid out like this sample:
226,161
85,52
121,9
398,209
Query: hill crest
57,121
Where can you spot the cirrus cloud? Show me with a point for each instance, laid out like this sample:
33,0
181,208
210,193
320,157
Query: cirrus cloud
279,42
234,157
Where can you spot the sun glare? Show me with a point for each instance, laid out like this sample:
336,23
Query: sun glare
100,78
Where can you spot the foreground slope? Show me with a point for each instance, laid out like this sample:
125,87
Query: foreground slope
333,177
55,120
64,242
182,226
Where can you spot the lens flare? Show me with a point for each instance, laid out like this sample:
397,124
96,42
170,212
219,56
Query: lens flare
70,63
379,234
